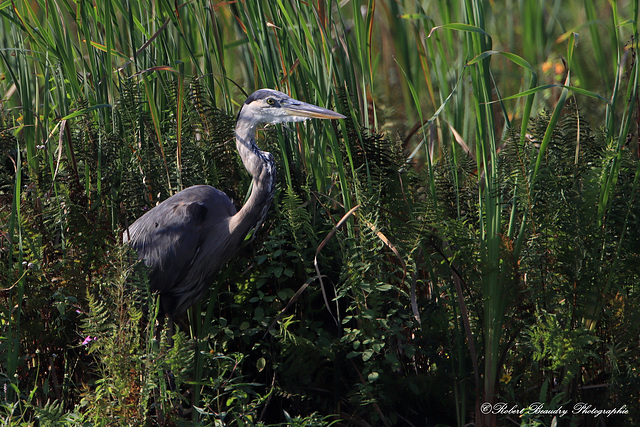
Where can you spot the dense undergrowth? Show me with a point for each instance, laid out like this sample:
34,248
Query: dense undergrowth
468,236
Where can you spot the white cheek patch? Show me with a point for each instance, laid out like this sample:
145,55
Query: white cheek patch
278,115
286,119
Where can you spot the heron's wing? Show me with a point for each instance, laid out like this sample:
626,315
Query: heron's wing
170,236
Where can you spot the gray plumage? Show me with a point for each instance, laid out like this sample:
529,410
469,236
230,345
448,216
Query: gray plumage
186,238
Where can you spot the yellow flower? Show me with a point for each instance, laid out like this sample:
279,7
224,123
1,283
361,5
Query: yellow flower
506,377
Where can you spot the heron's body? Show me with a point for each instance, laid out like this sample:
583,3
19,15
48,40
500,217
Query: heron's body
170,240
186,238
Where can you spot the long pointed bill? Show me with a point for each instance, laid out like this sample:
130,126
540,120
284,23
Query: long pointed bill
302,109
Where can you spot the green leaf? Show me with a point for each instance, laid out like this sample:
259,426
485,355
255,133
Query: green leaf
459,27
384,288
84,111
518,60
545,87
414,16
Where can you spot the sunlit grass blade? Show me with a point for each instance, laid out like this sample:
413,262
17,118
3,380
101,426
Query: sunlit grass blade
555,116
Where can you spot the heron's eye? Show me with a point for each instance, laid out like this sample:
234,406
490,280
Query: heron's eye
271,101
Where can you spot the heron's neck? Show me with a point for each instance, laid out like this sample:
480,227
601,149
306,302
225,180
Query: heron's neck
261,166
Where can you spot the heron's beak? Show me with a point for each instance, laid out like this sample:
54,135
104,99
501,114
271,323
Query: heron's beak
302,109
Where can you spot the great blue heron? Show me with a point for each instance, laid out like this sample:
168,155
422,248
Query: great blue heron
187,237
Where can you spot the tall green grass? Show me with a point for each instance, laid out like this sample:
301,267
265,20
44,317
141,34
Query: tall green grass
441,173
486,96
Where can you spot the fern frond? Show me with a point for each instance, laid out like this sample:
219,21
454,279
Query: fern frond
51,414
298,220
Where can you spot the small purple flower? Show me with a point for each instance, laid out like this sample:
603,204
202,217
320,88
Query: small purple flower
87,340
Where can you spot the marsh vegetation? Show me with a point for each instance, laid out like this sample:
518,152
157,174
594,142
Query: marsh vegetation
467,236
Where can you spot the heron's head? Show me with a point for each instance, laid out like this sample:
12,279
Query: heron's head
271,106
